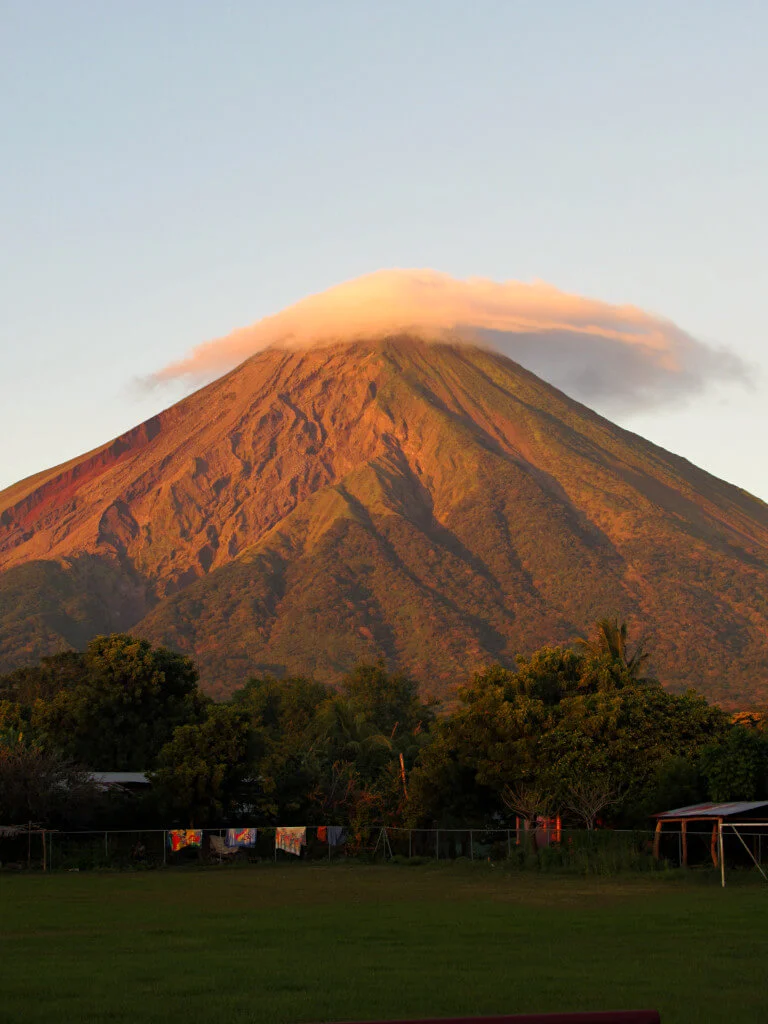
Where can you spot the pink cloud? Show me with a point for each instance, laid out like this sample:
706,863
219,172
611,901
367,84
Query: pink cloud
587,347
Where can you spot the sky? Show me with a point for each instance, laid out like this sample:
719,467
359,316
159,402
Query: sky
173,172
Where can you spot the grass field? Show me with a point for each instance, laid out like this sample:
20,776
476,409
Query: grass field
304,943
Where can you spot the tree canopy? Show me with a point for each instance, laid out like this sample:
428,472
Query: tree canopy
121,705
581,730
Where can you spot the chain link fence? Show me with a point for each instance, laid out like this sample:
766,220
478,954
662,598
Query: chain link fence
603,851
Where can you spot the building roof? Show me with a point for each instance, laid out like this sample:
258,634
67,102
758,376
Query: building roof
120,778
9,831
735,809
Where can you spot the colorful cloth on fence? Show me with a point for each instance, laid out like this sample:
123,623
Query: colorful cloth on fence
336,835
241,837
178,838
291,839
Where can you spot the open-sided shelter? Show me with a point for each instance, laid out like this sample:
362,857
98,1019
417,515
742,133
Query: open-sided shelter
707,820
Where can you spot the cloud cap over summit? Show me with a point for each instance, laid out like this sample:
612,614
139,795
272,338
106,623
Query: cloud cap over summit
595,351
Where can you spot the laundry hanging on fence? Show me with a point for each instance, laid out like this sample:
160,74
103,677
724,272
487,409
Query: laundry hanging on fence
241,837
336,835
291,839
178,838
220,849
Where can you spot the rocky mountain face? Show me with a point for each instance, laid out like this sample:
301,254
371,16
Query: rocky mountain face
434,504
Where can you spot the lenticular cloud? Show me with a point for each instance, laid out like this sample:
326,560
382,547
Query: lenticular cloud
615,356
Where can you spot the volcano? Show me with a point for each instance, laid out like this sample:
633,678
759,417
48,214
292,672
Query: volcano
433,504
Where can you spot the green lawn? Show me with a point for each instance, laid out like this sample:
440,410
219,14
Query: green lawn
305,943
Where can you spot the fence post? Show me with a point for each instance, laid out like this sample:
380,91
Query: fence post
471,846
410,833
509,845
106,846
165,844
722,851
437,844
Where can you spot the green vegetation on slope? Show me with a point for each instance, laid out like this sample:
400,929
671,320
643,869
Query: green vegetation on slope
435,505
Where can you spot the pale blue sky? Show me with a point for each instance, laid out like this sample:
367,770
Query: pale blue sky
173,170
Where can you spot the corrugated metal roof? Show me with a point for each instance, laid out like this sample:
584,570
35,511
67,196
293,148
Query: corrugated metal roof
710,810
120,778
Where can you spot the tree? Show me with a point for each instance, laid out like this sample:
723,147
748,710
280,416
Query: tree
626,735
12,722
528,802
200,771
737,769
42,786
123,708
549,675
318,753
42,682
610,661
544,729
389,701
283,744
586,799
490,741
344,733
677,782
359,773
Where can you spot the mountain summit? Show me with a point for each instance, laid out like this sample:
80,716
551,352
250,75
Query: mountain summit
431,503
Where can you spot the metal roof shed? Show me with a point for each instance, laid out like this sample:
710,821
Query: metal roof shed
733,813
124,779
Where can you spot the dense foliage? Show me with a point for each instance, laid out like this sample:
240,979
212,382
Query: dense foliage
579,731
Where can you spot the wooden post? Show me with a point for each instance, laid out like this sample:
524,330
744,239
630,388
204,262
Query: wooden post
657,839
722,851
684,836
45,851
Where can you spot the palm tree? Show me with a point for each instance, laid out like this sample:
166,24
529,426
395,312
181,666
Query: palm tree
610,640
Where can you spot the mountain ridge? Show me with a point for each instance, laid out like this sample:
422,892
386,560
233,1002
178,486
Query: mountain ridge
429,502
